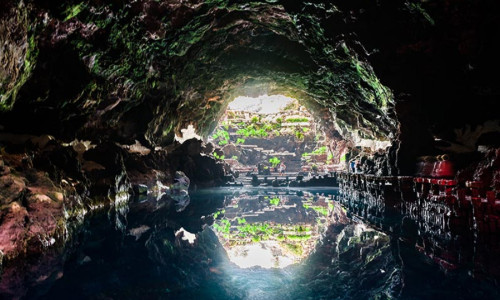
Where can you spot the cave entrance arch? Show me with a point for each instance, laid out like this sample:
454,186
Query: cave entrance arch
272,135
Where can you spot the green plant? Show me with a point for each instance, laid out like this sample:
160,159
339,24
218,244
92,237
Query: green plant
299,135
222,135
255,119
297,120
274,201
321,210
234,157
224,226
297,237
240,141
274,161
219,213
319,151
221,157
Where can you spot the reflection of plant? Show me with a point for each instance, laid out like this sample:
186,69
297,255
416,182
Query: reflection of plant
274,161
319,209
274,201
322,210
223,227
219,213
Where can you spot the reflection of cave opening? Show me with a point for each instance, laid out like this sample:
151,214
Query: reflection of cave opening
273,135
273,228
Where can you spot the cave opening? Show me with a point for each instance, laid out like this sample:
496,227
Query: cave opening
273,135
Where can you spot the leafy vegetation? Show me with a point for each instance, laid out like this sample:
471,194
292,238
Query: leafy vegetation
222,136
299,135
319,151
221,157
252,131
274,201
274,161
297,120
219,213
319,209
224,226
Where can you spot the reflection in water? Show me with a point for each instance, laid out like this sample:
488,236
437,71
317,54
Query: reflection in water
163,254
272,229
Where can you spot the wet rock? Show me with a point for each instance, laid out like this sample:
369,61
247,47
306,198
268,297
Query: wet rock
140,189
13,230
139,231
179,191
11,188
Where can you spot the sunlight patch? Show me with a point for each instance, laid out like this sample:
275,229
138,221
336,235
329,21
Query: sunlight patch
267,255
264,104
187,134
186,235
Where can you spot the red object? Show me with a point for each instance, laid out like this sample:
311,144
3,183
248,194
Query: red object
446,169
490,195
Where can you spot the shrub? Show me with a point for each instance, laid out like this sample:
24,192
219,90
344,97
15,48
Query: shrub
299,135
297,120
274,161
274,201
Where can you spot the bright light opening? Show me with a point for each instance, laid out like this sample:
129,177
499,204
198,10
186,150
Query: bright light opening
274,135
264,104
264,254
187,134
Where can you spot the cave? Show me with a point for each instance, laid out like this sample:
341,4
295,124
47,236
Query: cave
128,171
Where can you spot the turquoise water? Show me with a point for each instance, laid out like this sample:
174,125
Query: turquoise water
348,260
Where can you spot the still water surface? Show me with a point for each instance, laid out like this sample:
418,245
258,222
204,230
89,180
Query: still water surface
250,244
